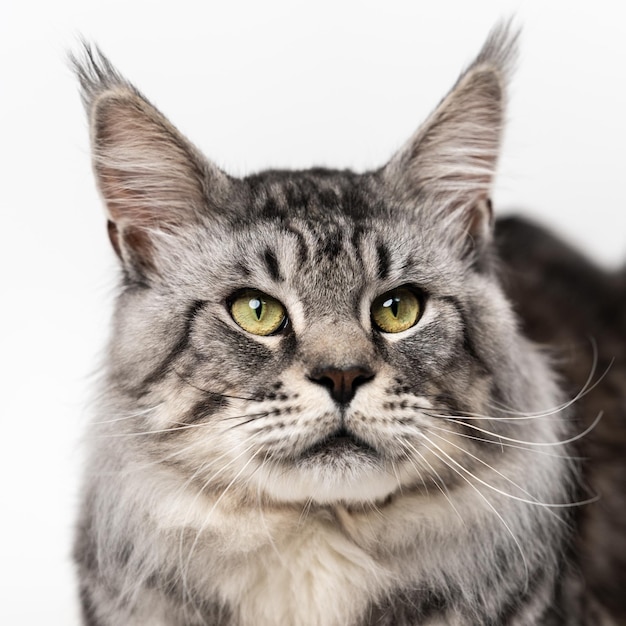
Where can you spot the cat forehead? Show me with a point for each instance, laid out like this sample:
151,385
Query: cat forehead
313,256
317,245
315,193
317,229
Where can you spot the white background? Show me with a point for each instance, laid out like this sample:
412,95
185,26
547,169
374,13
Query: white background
254,84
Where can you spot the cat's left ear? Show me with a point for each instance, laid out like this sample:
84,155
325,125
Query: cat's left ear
448,166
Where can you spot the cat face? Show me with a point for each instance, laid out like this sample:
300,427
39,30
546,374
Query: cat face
333,403
309,336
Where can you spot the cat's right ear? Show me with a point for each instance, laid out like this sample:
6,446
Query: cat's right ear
152,179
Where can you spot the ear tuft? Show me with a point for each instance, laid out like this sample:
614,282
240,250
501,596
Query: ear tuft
150,176
96,75
450,162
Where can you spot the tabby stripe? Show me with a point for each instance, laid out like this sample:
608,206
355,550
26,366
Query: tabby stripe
243,269
468,342
303,248
271,263
203,409
295,196
328,199
384,261
270,208
170,584
517,601
357,235
330,244
406,608
181,344
88,608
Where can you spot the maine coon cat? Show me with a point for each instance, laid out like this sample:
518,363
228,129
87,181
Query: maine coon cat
318,408
567,302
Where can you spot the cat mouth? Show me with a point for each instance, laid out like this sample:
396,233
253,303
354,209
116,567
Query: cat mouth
340,443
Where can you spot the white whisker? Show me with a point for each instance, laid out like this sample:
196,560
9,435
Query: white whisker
490,505
129,416
500,443
529,443
586,389
184,565
179,427
397,476
443,489
533,501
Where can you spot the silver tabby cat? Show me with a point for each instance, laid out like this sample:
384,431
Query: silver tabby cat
318,409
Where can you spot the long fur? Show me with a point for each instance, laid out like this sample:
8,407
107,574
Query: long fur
225,484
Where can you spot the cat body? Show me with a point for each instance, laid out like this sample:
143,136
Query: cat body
567,302
318,409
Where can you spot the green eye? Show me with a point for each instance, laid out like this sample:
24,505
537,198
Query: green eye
258,313
396,310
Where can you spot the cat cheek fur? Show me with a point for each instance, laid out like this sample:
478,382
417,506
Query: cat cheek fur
330,474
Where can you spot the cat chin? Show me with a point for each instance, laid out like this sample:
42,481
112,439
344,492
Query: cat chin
328,486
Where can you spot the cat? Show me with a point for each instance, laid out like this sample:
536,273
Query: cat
567,302
318,407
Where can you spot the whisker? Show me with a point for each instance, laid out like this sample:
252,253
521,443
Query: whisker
261,511
501,443
184,565
129,416
306,509
409,458
207,465
180,426
443,489
252,418
397,476
143,466
534,501
469,415
529,443
586,389
490,505
214,393
219,499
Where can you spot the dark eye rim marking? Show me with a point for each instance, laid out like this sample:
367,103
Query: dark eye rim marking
281,329
181,344
420,296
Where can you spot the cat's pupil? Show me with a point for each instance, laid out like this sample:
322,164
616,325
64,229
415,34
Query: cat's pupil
257,306
393,304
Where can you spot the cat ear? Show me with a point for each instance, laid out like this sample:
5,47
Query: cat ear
449,164
151,178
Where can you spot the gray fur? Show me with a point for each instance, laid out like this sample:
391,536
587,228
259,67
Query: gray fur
214,493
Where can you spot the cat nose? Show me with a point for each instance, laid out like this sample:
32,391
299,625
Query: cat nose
342,383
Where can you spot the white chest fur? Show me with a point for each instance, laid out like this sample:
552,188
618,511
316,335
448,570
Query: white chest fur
312,576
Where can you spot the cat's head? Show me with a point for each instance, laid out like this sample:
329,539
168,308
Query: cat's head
308,335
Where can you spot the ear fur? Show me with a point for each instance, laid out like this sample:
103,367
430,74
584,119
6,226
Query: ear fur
151,177
450,162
